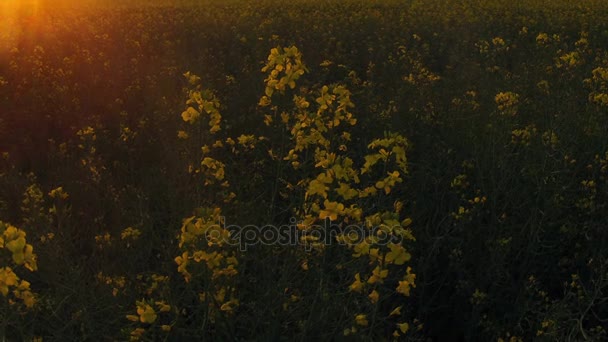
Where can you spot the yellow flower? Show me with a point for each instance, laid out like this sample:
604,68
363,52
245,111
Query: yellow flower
58,193
229,306
17,245
284,118
361,320
163,307
247,141
28,299
190,115
507,102
408,282
182,135
182,262
130,233
146,313
361,249
498,41
332,210
374,296
377,275
7,278
137,334
317,188
542,38
396,311
357,285
404,327
12,233
346,191
267,119
397,255
264,101
133,318
374,254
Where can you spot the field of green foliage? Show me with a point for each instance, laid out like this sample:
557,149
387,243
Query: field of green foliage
269,170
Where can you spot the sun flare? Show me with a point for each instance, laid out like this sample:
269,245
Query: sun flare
9,8
13,15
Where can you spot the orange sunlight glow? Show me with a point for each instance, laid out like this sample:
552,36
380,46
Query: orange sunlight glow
12,15
10,8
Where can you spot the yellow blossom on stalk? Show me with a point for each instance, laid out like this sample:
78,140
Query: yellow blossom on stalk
397,255
346,191
58,193
378,275
569,60
146,313
137,334
162,306
133,318
357,285
182,135
498,41
374,296
407,282
318,187
332,210
130,233
361,320
16,245
182,262
396,311
361,248
542,38
8,278
264,101
284,118
247,141
214,169
267,119
507,102
22,253
229,306
23,292
403,327
190,115
374,254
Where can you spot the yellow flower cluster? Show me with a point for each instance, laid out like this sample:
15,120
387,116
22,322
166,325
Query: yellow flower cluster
203,240
523,136
284,68
599,84
507,103
569,60
58,193
333,188
13,239
148,316
201,101
130,233
118,283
